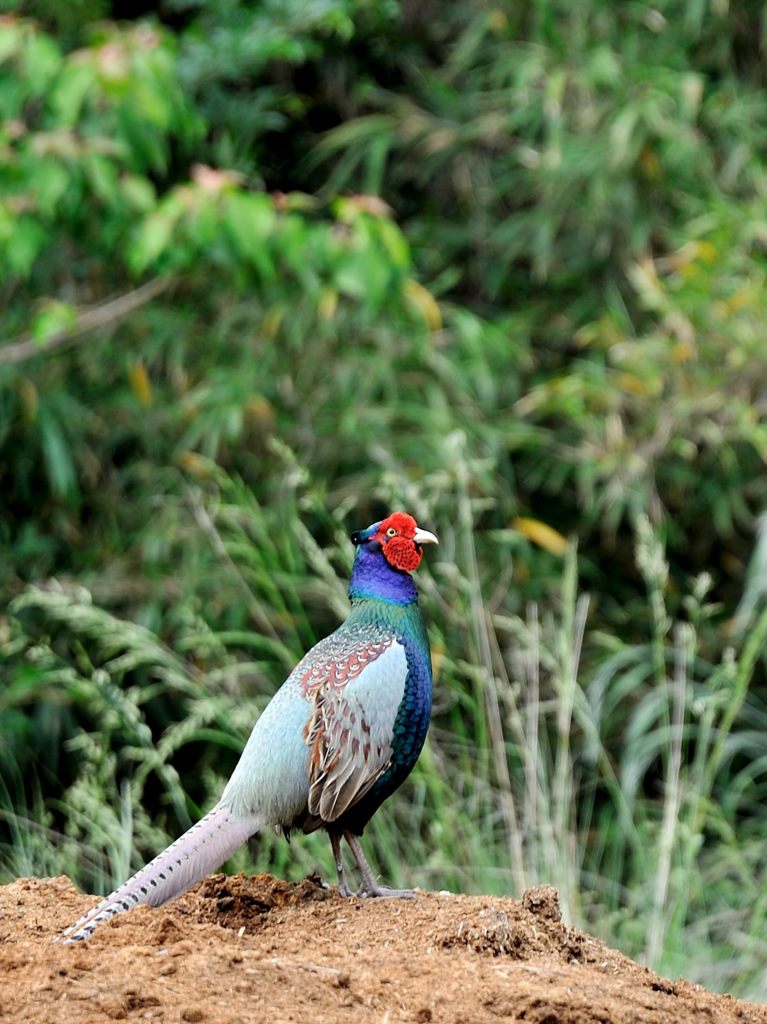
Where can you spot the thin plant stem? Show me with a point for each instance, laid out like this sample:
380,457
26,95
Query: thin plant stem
657,925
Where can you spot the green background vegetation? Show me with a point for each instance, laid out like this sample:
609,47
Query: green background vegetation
268,270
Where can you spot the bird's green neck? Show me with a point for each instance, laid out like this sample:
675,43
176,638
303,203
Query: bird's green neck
404,620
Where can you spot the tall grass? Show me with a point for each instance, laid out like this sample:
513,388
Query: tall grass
626,774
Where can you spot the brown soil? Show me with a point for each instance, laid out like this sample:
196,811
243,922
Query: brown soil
237,949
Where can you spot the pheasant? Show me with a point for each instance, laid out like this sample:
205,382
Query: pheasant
339,736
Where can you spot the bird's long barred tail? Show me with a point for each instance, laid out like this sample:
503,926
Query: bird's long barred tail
200,850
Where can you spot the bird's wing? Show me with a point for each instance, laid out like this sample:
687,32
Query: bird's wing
354,697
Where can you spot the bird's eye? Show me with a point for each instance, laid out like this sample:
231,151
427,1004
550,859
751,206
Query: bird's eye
391,532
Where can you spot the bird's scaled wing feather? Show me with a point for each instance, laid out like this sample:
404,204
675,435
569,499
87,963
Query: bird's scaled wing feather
351,726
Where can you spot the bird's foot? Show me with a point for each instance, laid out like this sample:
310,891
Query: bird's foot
343,888
377,891
370,887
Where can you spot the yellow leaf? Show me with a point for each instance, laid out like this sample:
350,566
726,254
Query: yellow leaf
683,260
542,534
497,20
743,298
683,352
139,383
270,325
632,383
706,251
29,399
424,303
650,163
328,302
260,410
195,464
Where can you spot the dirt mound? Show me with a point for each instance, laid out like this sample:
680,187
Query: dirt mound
238,949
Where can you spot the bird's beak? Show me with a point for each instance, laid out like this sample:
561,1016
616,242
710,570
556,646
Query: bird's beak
424,537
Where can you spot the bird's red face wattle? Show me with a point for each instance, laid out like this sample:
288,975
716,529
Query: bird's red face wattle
396,535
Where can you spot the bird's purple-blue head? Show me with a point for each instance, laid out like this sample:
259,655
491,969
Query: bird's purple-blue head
399,539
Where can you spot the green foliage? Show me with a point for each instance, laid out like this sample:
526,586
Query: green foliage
83,133
271,269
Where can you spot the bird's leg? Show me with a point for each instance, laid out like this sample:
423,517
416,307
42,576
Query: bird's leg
335,842
370,887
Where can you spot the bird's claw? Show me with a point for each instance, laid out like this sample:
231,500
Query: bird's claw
384,892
